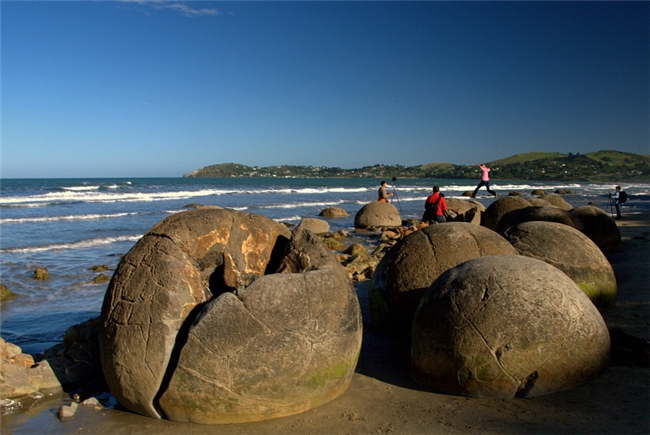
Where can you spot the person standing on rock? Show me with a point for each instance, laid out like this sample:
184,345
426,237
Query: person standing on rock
435,207
485,181
383,193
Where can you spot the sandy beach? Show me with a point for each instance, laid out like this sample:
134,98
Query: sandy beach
384,399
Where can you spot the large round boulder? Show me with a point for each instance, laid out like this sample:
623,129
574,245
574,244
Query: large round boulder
377,214
539,202
570,251
537,213
408,268
498,208
217,316
557,201
505,327
599,226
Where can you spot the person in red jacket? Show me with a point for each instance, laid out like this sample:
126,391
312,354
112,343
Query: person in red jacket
435,207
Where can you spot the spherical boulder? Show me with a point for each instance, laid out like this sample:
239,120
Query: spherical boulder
538,192
316,226
557,201
537,213
498,208
408,268
377,214
217,316
540,202
599,226
570,251
334,212
504,327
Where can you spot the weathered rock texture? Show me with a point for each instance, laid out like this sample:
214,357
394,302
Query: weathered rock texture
570,251
506,327
377,214
599,226
408,268
198,326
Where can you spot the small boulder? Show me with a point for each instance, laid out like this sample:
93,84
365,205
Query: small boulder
101,278
538,192
21,375
5,293
334,212
41,274
316,226
505,327
377,214
68,412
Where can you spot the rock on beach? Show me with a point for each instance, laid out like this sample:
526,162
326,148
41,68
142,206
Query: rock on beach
505,327
217,316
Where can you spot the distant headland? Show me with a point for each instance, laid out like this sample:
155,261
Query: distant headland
608,165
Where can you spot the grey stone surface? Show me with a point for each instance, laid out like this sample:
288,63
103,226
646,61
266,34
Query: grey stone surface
504,327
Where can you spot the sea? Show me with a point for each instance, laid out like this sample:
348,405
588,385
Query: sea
70,225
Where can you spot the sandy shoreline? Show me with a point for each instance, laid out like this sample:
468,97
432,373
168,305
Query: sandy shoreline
384,399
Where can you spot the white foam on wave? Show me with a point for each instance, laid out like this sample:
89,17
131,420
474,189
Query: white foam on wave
106,197
80,188
300,204
63,218
83,244
289,219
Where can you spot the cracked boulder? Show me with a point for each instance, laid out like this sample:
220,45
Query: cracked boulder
504,327
408,268
217,316
570,251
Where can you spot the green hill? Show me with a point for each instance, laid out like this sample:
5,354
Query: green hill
605,166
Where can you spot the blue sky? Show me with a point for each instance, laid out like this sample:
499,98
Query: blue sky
146,88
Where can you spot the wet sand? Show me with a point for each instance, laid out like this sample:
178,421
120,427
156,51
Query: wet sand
384,399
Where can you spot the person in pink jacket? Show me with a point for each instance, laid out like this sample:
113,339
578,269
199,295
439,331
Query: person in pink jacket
485,181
